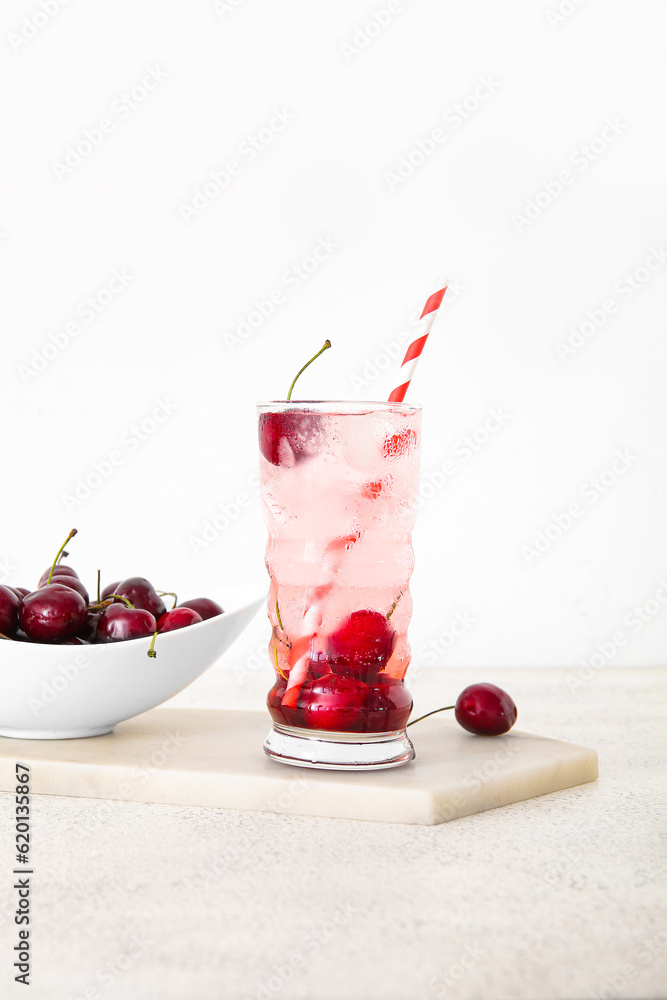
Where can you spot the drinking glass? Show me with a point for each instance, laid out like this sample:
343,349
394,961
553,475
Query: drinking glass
339,485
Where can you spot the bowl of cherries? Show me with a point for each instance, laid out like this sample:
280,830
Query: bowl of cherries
74,665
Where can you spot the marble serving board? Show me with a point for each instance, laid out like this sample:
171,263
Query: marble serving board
206,757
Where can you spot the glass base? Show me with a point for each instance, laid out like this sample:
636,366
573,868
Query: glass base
338,751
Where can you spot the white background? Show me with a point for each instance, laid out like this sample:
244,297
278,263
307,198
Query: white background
521,94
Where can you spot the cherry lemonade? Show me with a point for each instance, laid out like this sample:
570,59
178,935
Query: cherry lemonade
338,489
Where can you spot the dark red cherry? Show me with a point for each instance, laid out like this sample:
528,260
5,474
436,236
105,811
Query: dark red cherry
73,584
289,437
58,571
362,645
110,589
20,592
387,707
204,607
118,622
485,710
332,702
318,665
273,700
177,618
88,630
52,612
9,611
141,594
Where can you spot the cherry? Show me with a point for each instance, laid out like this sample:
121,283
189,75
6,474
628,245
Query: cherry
54,571
204,606
73,584
273,700
387,707
52,612
291,436
485,710
318,665
9,611
177,618
20,592
88,630
118,622
110,589
399,444
362,645
332,702
142,595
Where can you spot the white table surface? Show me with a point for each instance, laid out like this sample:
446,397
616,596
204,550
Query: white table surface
556,897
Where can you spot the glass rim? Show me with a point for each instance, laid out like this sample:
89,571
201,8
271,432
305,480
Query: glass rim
338,406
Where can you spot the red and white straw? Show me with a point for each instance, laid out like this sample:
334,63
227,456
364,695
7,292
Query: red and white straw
413,353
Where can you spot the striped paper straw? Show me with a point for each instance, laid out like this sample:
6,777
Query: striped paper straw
415,349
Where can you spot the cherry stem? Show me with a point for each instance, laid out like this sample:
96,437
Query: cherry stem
434,712
394,605
109,600
9,638
151,649
72,533
280,622
99,572
275,654
327,343
168,593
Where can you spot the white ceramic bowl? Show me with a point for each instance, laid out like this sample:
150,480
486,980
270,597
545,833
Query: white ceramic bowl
65,692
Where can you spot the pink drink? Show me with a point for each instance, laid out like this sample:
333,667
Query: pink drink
338,488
